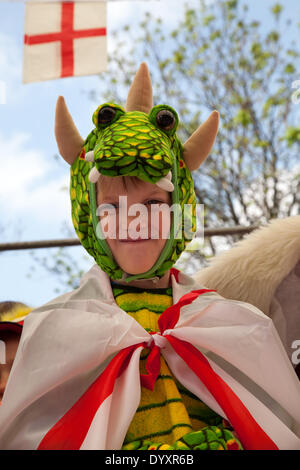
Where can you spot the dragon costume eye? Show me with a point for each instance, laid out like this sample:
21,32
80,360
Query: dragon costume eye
165,120
106,115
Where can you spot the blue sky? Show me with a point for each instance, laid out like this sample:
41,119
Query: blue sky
34,202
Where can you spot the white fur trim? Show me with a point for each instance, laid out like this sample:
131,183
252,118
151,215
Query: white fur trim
253,269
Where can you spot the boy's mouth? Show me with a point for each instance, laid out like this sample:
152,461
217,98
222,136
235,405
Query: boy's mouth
131,240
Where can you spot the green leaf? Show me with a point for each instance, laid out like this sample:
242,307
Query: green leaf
207,19
256,49
289,68
214,35
292,53
273,36
277,9
275,100
260,143
244,63
292,135
178,57
203,48
231,4
255,84
242,117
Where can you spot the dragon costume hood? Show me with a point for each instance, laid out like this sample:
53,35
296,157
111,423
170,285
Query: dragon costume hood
140,141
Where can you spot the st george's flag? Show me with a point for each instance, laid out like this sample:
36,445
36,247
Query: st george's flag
64,39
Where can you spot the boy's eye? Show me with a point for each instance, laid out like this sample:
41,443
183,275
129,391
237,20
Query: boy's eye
154,201
105,208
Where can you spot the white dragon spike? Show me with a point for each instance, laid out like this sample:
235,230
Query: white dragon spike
94,175
166,183
89,157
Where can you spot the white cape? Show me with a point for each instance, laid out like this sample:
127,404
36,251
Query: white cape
67,343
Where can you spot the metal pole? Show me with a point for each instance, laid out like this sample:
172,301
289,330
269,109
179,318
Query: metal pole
32,245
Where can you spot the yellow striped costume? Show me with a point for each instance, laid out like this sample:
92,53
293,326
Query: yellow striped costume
170,411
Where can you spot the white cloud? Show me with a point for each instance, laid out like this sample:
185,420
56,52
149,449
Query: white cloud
30,191
132,12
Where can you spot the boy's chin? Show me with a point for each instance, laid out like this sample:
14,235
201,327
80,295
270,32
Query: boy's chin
136,269
137,265
137,259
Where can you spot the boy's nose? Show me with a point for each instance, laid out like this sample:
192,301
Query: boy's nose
134,226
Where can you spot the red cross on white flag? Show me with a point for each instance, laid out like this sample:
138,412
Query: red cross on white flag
64,39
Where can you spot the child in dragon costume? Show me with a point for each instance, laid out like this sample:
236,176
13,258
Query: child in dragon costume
141,356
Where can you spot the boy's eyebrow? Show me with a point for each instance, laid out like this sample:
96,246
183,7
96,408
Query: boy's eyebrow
157,191
108,198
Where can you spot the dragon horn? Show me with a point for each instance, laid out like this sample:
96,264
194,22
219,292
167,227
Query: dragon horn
68,139
140,93
198,146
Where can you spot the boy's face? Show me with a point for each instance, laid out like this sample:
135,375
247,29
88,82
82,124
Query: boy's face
133,255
